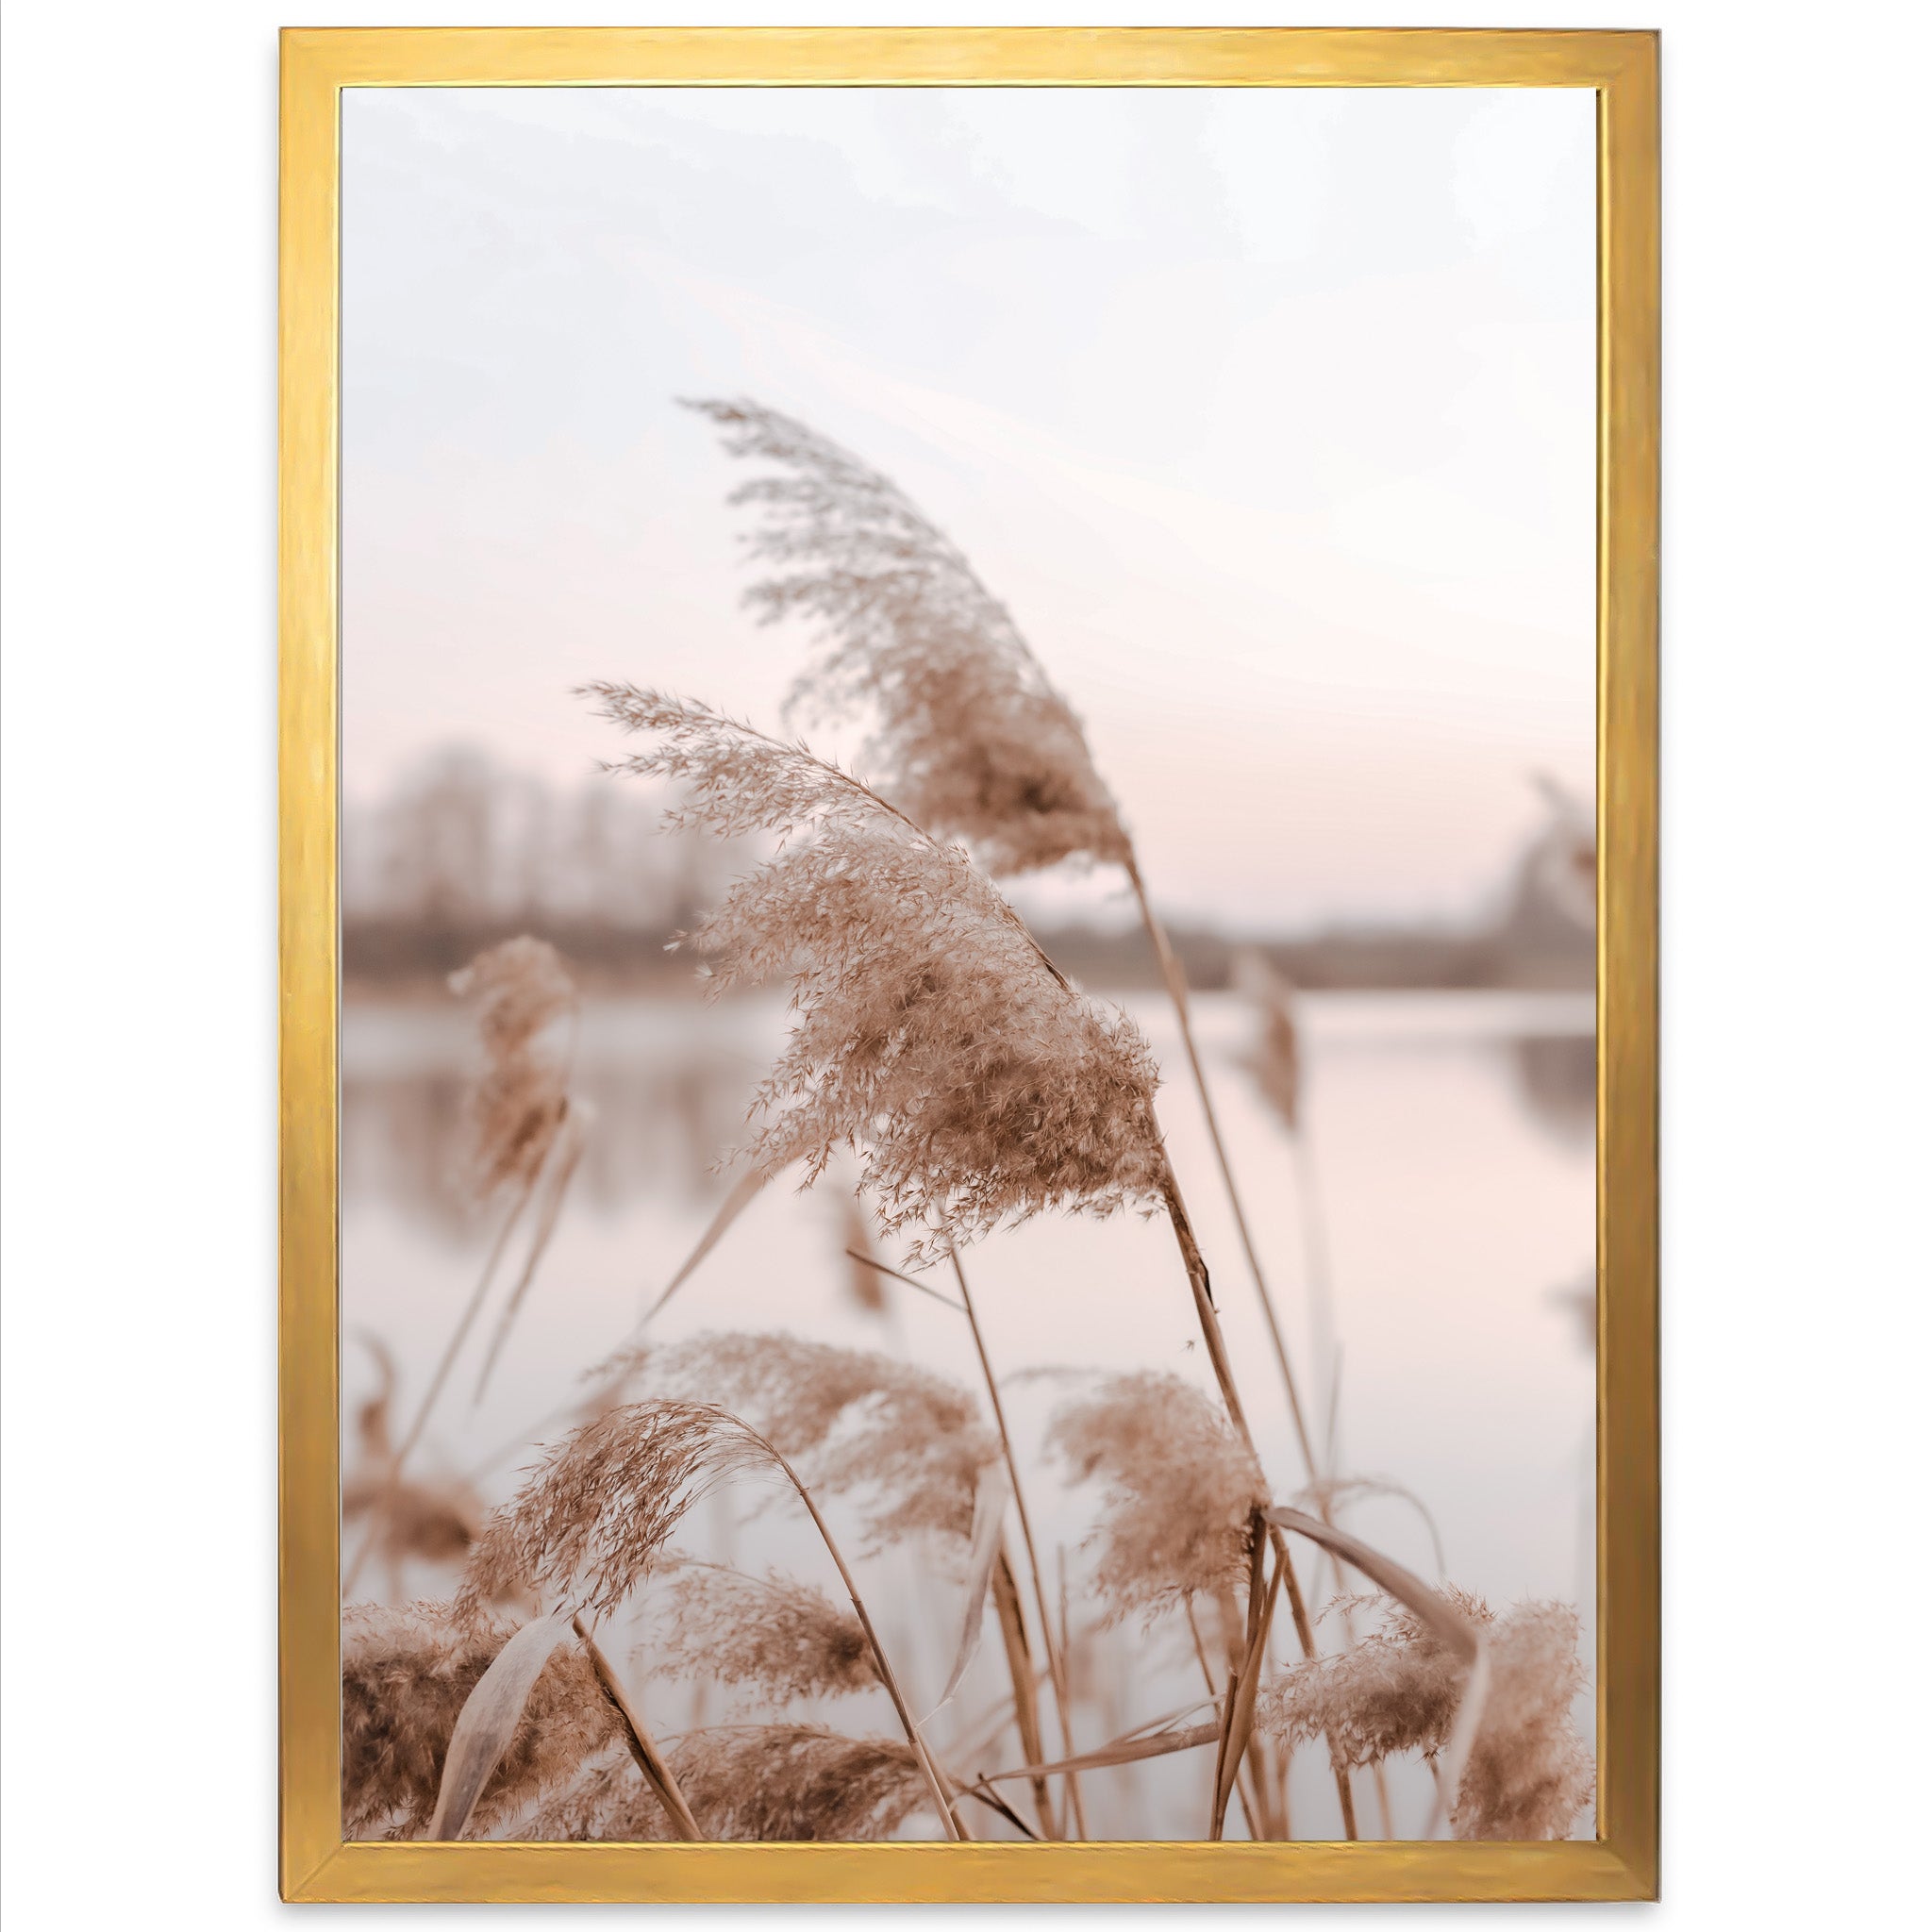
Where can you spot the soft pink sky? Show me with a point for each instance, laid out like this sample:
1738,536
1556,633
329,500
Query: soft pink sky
1270,414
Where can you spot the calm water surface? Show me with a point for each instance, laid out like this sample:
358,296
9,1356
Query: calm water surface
1451,1136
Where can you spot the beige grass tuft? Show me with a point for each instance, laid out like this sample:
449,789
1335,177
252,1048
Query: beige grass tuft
970,737
407,1671
1181,1488
764,1633
929,1032
1529,1773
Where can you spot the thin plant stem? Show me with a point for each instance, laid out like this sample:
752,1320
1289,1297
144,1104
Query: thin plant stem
379,1508
1216,1343
540,1240
1006,1595
1251,1806
946,1301
1319,1268
1176,984
948,1817
650,1760
1054,1664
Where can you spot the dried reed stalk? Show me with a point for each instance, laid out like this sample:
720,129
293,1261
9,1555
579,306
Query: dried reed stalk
594,1518
519,1116
409,1672
972,740
931,1034
1277,1067
1253,1809
1056,1664
1020,1669
1238,1710
1211,1335
643,1748
382,1501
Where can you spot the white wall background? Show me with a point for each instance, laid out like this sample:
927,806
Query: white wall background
139,950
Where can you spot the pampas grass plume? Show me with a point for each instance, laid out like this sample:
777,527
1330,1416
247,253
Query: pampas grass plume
971,740
768,1633
407,1670
520,991
929,1032
1181,1488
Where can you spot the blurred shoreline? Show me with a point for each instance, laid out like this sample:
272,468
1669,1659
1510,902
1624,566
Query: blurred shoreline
1518,951
465,856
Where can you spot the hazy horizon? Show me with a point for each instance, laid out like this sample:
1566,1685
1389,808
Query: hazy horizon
1270,414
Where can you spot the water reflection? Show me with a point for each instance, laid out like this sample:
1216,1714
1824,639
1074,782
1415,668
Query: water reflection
668,1081
1454,1138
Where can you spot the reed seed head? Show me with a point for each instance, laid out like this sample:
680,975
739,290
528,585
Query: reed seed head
591,1521
407,1671
745,1782
972,740
854,1420
791,1782
434,1521
606,1802
522,994
766,1634
929,1032
1529,1774
1181,1488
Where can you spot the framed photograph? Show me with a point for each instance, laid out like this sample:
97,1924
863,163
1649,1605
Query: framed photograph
969,932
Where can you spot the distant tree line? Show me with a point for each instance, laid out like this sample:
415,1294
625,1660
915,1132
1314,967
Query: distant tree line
463,854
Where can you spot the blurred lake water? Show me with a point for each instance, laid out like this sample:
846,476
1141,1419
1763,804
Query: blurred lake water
1452,1135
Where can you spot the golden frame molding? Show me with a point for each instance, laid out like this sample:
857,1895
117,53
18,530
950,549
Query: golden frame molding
1622,70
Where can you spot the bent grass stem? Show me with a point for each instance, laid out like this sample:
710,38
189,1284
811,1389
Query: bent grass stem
949,1816
379,1508
1056,1664
1176,985
1196,1267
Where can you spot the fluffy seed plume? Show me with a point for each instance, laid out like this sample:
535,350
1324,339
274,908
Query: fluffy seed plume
521,992
929,1032
767,1633
1529,1774
407,1671
592,1519
853,1419
1181,1489
798,1782
606,1802
766,1782
974,741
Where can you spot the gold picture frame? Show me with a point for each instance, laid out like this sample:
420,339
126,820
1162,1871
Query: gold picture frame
1622,69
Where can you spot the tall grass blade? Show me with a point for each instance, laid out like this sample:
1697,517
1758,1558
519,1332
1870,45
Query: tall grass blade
1006,1595
989,1518
643,1747
489,1721
1239,1716
570,1144
1123,1750
1461,1634
1457,1630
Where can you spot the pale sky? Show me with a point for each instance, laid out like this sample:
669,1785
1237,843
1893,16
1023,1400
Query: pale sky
1270,414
